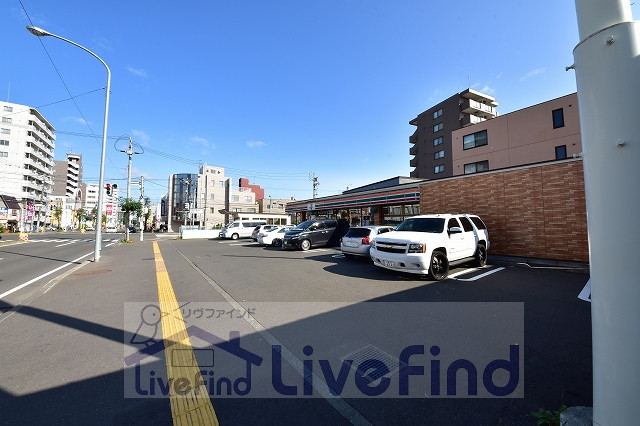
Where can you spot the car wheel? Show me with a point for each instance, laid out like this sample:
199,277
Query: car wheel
480,256
234,236
439,266
277,242
305,245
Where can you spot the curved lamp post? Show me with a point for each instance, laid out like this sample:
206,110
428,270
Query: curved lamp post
98,244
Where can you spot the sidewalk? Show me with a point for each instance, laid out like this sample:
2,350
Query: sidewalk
72,337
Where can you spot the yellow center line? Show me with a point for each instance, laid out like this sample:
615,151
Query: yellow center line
190,402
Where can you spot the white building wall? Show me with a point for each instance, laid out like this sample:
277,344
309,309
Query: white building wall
26,152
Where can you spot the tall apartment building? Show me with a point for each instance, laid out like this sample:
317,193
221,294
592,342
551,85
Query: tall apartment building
207,199
67,176
431,141
27,142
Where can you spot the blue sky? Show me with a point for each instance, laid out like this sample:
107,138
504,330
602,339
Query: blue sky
274,90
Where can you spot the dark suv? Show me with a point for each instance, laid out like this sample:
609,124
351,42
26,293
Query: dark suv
315,233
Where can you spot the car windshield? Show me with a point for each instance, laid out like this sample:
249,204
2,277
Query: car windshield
304,225
422,224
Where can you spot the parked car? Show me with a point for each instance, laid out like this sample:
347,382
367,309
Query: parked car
356,242
274,236
240,229
110,229
132,229
315,233
430,244
261,228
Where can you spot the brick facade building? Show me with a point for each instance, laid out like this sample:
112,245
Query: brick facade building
536,211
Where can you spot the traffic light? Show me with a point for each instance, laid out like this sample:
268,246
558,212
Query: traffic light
108,189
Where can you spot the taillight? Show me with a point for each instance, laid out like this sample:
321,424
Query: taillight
366,240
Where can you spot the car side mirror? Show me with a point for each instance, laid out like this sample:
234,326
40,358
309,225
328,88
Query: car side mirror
455,230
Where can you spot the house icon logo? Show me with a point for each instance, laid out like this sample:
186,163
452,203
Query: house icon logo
191,371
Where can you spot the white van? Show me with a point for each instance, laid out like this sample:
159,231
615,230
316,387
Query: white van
240,229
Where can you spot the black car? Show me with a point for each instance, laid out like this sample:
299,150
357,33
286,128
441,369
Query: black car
315,233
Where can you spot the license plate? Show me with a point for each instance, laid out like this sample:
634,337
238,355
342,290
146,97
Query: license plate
389,264
350,244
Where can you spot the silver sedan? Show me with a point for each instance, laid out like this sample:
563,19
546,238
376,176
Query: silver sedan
357,239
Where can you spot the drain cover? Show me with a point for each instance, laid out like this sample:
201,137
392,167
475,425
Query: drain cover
363,357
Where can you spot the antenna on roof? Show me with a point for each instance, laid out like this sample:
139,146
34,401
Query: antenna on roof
469,81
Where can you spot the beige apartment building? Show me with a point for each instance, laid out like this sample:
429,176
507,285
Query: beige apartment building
543,132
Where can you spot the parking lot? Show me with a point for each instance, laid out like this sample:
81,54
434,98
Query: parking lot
557,329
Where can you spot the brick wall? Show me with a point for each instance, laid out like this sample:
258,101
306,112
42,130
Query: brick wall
536,211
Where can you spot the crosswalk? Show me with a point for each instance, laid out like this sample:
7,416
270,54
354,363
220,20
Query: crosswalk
65,241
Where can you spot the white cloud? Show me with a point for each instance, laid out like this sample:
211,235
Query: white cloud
140,137
488,90
136,173
137,71
104,43
533,73
256,144
201,141
77,120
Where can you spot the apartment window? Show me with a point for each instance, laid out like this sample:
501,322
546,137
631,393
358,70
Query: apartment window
213,197
439,154
561,152
235,198
437,113
6,120
8,108
5,143
212,210
247,199
438,127
480,166
474,140
438,169
5,131
251,210
558,118
221,184
438,141
4,154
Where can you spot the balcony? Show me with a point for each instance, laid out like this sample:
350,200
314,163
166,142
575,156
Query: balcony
414,162
413,150
473,107
413,138
414,173
468,120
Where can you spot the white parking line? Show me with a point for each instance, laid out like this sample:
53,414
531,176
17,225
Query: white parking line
477,277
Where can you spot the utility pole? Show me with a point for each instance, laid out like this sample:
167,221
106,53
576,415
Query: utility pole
607,66
144,222
129,151
313,178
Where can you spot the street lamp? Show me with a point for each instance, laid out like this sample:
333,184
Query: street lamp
98,244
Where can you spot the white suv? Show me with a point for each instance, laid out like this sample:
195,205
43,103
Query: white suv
429,244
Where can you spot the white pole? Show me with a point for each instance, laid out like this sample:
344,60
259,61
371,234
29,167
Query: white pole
607,66
98,243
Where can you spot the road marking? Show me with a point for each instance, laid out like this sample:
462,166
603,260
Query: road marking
477,277
13,290
338,403
67,243
193,407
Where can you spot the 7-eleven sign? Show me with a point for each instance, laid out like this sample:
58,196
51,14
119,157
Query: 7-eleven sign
109,209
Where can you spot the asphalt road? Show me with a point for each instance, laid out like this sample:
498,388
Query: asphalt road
42,257
317,306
